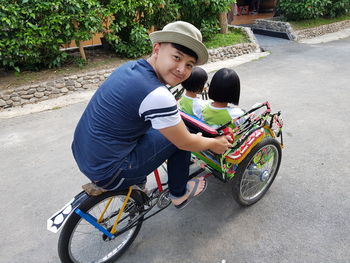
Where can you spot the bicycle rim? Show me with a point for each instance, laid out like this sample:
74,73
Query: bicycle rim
259,173
87,244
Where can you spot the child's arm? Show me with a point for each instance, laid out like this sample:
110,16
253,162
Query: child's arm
237,112
198,106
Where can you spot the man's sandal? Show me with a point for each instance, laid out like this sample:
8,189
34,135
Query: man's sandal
192,193
92,189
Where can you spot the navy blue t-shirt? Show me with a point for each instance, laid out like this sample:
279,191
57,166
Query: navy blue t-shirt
125,107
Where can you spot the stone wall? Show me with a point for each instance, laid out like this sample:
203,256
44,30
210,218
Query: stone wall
90,81
321,30
275,25
223,53
229,52
52,89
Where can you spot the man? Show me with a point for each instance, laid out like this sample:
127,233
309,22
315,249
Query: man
132,125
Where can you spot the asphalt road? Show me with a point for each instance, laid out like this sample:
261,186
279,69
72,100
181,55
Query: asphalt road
303,218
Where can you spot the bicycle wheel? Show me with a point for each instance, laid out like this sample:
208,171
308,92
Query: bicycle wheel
82,242
256,172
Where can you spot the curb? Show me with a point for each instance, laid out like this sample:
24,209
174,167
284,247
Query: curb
344,33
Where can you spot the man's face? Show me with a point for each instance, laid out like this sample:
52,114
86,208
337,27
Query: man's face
172,66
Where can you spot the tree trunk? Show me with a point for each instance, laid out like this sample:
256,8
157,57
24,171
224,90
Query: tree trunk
223,23
77,42
81,50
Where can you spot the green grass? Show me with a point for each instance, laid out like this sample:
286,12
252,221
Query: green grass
236,36
304,24
56,108
11,79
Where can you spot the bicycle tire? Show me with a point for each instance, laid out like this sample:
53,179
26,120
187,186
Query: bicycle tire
95,246
263,175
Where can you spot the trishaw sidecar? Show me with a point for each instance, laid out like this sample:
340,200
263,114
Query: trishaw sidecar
252,163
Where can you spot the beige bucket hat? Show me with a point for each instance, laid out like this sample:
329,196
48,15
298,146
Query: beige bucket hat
183,33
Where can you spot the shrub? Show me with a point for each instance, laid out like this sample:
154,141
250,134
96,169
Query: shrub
311,9
31,31
203,14
168,12
337,8
128,32
302,9
131,41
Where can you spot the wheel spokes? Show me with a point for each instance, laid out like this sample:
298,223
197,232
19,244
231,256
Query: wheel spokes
89,244
259,172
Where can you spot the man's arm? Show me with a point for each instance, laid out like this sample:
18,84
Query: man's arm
184,140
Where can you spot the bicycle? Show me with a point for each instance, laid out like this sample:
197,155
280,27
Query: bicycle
101,228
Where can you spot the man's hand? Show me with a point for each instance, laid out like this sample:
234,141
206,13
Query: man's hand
184,140
222,144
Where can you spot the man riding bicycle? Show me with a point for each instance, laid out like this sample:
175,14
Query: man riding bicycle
132,125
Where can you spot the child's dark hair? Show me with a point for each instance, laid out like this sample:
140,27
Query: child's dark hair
196,81
225,86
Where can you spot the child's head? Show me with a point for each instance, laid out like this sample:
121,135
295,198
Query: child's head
195,83
225,86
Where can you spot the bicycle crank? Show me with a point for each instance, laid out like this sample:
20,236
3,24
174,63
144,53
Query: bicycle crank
164,199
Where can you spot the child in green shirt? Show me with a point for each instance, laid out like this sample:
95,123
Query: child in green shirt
194,85
224,88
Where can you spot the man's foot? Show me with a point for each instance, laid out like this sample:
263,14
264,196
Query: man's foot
195,187
144,188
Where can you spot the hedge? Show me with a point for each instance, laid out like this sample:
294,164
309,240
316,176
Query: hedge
31,31
128,33
294,10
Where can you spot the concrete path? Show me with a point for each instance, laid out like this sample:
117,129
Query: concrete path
303,218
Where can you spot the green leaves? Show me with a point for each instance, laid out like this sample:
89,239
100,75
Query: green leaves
31,32
203,14
337,8
131,44
128,32
311,9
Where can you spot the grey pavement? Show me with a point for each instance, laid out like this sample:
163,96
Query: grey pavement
304,217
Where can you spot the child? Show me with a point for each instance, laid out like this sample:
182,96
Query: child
223,89
194,85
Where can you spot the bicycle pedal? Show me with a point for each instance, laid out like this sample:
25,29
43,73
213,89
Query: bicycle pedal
164,199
